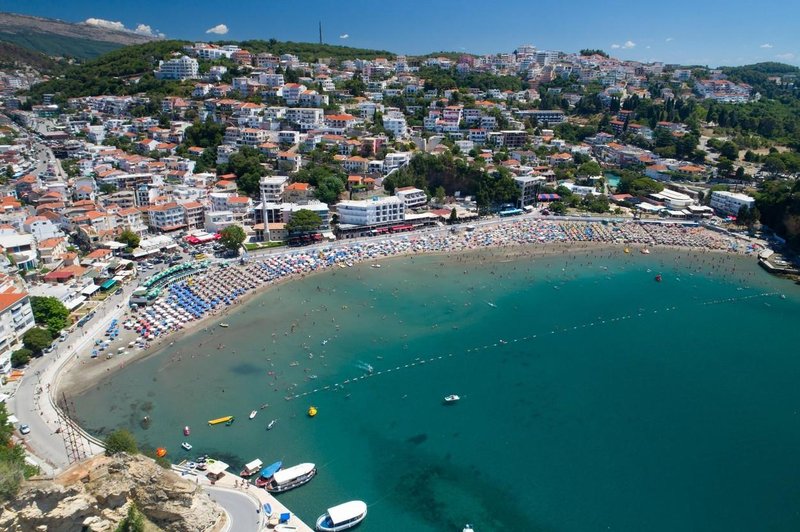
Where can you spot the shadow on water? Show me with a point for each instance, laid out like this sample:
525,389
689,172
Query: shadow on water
445,497
245,368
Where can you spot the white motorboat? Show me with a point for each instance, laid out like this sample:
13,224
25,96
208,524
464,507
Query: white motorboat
451,399
224,325
468,528
187,446
253,414
290,478
342,516
271,424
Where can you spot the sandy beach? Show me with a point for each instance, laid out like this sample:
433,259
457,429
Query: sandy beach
506,241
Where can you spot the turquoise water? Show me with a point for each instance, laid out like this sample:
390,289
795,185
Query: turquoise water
612,179
593,397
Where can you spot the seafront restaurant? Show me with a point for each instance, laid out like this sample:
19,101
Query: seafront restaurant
215,470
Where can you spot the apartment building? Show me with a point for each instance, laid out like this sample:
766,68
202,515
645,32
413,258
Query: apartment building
729,203
412,197
179,68
272,187
167,217
16,317
371,212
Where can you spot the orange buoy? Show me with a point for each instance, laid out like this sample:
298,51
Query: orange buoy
161,452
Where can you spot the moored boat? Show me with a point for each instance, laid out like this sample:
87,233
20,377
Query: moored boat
449,399
658,278
186,446
271,424
219,420
291,478
251,468
266,474
186,430
468,528
645,251
253,414
224,325
342,516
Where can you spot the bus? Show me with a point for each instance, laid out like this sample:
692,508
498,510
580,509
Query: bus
510,212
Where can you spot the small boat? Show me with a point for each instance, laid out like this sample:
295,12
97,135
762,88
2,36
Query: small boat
376,265
271,424
468,528
219,420
312,411
293,477
186,446
230,421
251,468
161,452
452,399
342,516
253,414
265,475
627,250
224,325
658,278
644,251
186,430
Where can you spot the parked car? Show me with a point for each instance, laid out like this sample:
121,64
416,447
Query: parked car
24,429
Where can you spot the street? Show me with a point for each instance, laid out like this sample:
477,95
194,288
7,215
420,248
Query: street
241,509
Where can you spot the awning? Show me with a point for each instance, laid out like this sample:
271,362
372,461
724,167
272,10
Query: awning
72,304
108,284
548,197
91,289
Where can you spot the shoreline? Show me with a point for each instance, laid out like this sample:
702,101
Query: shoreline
77,378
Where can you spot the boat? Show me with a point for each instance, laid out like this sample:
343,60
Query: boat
451,398
224,325
265,475
644,251
186,446
230,421
342,516
468,528
312,411
186,430
658,278
161,452
627,250
253,414
219,420
293,477
271,424
251,468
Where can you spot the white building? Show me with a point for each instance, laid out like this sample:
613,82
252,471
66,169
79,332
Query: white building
16,317
730,202
180,68
371,212
216,221
412,197
396,125
272,187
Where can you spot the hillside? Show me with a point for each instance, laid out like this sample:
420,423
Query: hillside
59,38
12,55
307,51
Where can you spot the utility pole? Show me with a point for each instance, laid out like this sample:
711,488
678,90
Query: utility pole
320,32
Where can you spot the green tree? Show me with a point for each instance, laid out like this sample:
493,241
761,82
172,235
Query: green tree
232,237
303,221
329,188
133,521
107,188
20,357
50,312
440,194
37,340
129,238
453,216
590,168
121,441
729,151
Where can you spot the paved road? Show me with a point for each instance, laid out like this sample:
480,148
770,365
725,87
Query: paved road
241,509
31,404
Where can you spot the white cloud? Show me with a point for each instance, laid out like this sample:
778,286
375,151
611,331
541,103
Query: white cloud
219,29
615,46
766,45
103,23
344,36
141,29
144,29
785,57
669,39
629,44
648,46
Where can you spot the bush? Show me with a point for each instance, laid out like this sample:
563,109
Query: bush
37,340
133,521
20,357
121,441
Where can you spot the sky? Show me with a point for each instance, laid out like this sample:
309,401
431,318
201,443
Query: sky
698,32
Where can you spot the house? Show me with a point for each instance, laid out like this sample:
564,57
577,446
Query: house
298,193
166,217
355,164
339,123
16,317
412,197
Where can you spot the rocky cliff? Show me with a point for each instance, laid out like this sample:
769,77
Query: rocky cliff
95,495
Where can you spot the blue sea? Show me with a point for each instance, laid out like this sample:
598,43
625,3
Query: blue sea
592,396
